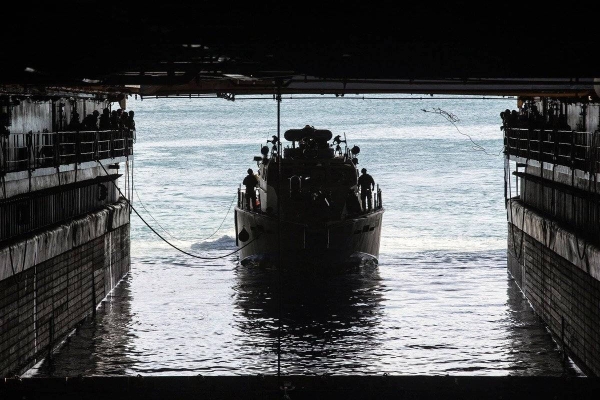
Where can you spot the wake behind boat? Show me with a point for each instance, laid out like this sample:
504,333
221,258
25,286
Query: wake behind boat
311,196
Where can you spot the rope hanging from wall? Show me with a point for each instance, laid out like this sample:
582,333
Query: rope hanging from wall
165,240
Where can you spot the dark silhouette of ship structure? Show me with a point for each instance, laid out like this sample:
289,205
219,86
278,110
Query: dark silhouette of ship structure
308,210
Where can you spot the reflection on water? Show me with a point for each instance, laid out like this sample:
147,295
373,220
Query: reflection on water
313,321
100,345
428,313
531,344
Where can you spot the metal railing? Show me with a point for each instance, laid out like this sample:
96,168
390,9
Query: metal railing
27,151
242,201
574,205
22,214
377,201
575,149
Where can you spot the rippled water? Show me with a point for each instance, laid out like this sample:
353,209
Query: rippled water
439,302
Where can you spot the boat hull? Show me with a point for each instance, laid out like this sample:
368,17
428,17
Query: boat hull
335,243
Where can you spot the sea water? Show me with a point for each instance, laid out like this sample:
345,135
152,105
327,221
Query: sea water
440,300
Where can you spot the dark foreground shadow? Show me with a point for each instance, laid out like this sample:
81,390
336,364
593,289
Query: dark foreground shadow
301,388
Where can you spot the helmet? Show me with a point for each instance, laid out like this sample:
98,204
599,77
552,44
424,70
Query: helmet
364,170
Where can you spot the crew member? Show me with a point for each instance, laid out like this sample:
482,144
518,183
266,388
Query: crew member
250,181
367,185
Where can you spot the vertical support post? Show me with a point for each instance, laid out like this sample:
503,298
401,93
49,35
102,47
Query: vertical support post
573,156
4,151
96,150
237,243
518,136
529,144
61,116
77,148
126,134
573,219
29,145
93,292
279,228
507,135
30,155
132,187
541,156
111,145
57,140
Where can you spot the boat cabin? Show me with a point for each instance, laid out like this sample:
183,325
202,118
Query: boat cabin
318,178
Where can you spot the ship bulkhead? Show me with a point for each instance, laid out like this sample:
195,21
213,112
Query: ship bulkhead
64,223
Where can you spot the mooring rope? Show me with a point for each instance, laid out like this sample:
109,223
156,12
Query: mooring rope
165,240
168,233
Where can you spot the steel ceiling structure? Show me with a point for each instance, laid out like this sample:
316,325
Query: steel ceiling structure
210,47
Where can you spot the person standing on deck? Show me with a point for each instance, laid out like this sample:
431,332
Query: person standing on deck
250,181
75,124
367,185
104,122
131,121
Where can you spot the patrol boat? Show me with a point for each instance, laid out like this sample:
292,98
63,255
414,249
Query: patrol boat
309,211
